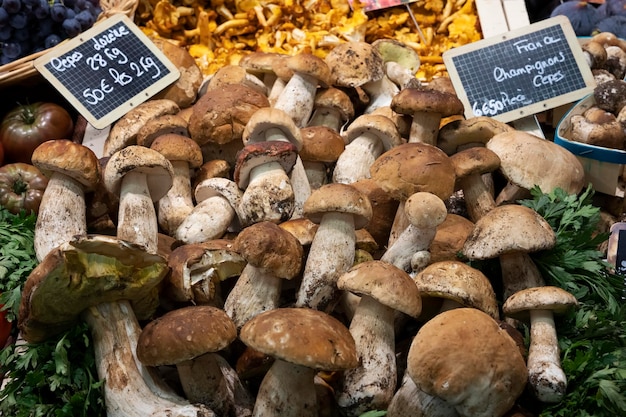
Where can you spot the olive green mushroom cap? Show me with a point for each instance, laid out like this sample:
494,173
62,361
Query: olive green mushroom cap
84,272
302,336
508,229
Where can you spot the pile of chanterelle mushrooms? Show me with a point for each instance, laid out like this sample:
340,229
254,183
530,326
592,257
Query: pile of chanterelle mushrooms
256,244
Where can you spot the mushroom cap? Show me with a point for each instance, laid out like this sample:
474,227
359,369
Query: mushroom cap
159,171
413,100
221,114
302,228
459,282
425,210
476,130
178,148
68,158
321,144
259,62
375,124
546,297
230,74
611,95
270,248
302,336
354,63
474,161
527,160
83,272
255,154
337,99
311,65
412,167
267,118
463,357
598,127
508,229
183,334
211,169
386,283
338,198
450,238
384,208
396,51
161,125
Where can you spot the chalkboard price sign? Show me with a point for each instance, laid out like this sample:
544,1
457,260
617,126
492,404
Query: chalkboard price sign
521,72
107,70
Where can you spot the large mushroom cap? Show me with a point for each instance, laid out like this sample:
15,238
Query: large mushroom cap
527,160
386,283
353,64
184,334
411,167
84,272
69,158
302,336
413,100
463,357
339,198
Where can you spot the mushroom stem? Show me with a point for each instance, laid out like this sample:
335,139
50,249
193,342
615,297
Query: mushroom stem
425,127
137,220
269,195
301,187
371,385
254,292
412,240
410,401
287,390
330,255
545,375
358,156
209,219
176,205
478,197
297,98
518,273
328,117
129,389
62,214
381,92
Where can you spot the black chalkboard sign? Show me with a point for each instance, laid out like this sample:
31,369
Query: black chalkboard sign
521,72
107,70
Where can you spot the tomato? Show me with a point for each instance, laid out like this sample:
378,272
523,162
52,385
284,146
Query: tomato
1,154
5,328
27,126
21,187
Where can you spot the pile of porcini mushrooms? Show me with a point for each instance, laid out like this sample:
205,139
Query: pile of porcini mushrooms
279,240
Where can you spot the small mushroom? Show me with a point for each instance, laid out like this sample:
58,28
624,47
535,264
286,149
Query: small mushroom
598,127
321,147
235,74
162,125
332,108
539,305
475,131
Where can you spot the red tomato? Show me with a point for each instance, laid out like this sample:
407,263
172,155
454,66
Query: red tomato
27,126
5,329
21,187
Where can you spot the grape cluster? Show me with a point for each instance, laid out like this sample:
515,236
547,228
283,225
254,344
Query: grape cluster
29,26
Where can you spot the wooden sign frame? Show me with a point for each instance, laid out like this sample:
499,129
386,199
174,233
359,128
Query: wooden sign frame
101,79
508,93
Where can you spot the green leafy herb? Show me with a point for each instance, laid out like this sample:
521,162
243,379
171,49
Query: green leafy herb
17,257
55,378
593,337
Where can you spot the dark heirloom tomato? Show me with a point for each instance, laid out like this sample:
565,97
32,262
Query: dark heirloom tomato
21,187
27,126
5,328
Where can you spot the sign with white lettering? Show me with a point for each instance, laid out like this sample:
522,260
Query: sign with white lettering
521,72
107,70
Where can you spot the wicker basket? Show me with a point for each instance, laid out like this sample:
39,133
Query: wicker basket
24,68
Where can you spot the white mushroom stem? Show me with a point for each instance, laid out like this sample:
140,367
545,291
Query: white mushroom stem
316,173
400,223
254,292
478,197
269,195
277,87
129,389
380,92
331,254
401,75
412,240
410,401
545,375
177,203
327,116
371,385
518,273
297,98
62,214
424,128
287,390
208,220
204,381
137,220
357,157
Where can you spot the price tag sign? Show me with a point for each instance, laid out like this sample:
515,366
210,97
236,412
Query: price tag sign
521,72
107,70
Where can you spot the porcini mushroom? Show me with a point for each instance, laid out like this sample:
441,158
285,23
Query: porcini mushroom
321,147
332,108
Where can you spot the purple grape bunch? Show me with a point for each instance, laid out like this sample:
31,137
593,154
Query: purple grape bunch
29,26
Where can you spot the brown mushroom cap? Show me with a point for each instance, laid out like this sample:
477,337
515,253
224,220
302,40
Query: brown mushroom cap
161,125
302,228
311,65
450,238
336,99
255,154
546,297
384,208
425,210
321,144
413,100
353,64
68,158
457,281
340,198
412,167
135,158
386,283
266,119
269,247
381,126
259,62
178,148
463,357
184,334
476,160
611,95
302,336
508,229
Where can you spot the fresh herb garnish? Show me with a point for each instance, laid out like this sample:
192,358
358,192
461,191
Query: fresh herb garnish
593,337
